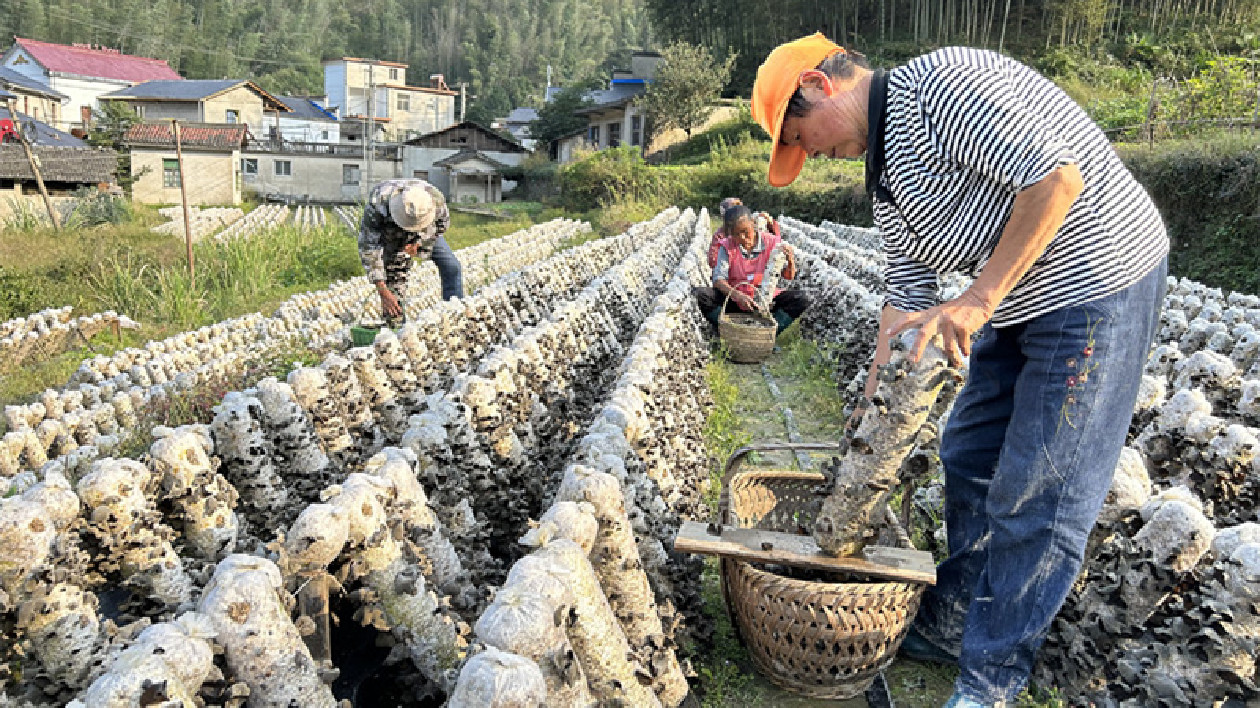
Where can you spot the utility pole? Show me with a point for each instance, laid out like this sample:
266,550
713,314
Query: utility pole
183,195
463,99
369,149
34,163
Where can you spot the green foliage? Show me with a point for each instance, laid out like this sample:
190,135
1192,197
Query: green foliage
25,215
687,83
17,295
1209,194
556,118
698,148
605,176
93,207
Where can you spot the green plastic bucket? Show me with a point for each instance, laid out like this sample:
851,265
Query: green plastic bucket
363,336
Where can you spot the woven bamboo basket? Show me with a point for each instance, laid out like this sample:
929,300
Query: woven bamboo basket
822,639
749,336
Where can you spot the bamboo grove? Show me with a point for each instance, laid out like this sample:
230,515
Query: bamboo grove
1146,31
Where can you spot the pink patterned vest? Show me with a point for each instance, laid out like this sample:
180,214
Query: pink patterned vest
746,273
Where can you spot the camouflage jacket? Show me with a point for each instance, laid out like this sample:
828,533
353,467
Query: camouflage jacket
380,237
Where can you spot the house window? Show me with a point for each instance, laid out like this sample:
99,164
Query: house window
349,175
393,76
231,116
323,135
404,102
139,111
614,135
170,173
284,168
594,135
420,174
636,130
249,166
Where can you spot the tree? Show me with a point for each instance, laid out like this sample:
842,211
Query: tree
109,128
688,81
557,119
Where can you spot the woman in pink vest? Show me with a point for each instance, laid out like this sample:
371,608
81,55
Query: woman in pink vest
738,269
761,219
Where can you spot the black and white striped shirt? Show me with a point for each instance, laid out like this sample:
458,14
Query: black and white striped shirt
967,130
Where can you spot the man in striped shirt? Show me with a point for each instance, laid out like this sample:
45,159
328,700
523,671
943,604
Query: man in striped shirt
976,163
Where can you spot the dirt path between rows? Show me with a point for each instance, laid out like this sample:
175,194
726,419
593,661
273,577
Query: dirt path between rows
754,415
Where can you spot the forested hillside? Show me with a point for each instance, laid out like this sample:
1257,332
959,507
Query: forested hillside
1168,37
500,47
1109,50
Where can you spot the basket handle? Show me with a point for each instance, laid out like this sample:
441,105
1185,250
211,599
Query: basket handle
737,458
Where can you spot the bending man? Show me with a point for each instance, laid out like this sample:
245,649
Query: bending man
405,219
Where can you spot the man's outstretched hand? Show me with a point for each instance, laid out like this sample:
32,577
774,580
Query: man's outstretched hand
389,302
954,321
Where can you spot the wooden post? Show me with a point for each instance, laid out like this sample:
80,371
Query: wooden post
1150,115
183,194
30,159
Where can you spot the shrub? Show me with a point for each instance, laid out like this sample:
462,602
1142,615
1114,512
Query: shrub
1209,194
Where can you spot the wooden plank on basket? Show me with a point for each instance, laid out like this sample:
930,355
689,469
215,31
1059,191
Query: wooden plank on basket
759,546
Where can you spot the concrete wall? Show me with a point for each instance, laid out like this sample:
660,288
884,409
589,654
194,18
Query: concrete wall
248,104
621,117
82,92
211,177
16,198
427,113
421,159
41,108
165,110
476,189
315,177
309,131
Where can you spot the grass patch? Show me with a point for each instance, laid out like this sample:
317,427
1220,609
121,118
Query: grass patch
723,678
724,429
132,270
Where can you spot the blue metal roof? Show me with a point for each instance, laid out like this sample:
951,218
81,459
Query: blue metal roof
6,95
183,90
46,134
11,78
521,115
305,109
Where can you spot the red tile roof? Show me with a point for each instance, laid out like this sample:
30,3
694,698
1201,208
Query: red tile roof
100,63
191,135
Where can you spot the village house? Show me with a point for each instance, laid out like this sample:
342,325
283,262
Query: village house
212,155
517,125
81,72
66,164
612,117
357,88
228,101
33,98
307,121
465,161
319,173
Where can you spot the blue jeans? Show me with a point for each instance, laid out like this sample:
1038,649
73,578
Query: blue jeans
1029,452
448,270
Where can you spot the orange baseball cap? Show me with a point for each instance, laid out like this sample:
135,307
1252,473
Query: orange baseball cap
777,79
